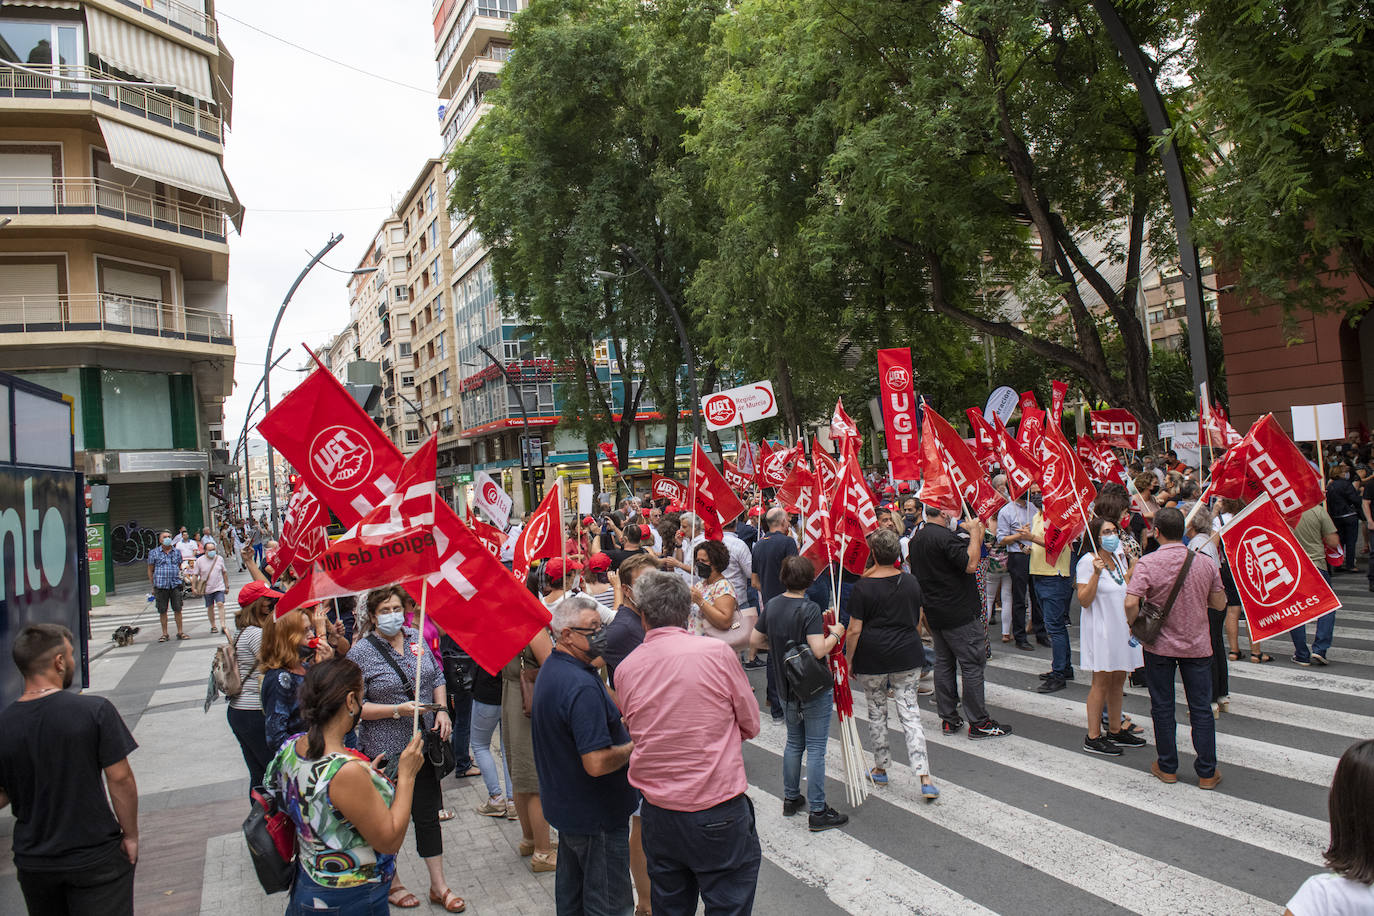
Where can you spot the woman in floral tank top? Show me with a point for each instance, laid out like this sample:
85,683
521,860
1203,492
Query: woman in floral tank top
350,819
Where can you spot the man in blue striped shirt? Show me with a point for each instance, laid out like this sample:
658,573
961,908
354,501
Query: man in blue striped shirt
164,575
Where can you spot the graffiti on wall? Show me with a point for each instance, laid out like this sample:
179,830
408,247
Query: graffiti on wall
130,543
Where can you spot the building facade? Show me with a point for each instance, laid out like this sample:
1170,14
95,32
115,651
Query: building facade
115,214
379,306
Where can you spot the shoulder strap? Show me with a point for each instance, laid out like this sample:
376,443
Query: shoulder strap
385,651
1178,583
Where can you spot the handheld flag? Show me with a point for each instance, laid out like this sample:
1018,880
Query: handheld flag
542,536
712,498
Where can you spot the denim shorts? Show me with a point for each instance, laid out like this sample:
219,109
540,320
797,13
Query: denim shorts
213,598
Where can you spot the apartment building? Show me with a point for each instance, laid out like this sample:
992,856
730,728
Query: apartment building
115,214
379,307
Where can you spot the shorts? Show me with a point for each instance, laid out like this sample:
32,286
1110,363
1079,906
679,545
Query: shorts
1228,582
213,598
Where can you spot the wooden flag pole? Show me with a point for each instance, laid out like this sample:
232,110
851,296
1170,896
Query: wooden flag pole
421,649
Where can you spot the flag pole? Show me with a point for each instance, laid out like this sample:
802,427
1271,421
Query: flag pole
420,643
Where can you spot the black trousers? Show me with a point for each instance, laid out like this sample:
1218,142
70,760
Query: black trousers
250,728
103,889
1221,680
1018,567
712,854
424,813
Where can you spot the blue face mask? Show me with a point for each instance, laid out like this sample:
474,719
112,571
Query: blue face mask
1111,543
390,624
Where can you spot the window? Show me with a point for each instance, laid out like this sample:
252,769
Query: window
412,436
138,409
429,196
511,348
408,381
447,416
443,383
439,306
398,236
434,270
400,293
398,264
403,348
433,227
31,42
441,344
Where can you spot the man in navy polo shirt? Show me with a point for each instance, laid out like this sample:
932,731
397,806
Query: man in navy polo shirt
581,750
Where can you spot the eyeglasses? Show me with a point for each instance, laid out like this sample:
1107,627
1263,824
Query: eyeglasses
586,631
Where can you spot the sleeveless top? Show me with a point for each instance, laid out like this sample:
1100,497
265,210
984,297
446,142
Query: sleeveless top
330,850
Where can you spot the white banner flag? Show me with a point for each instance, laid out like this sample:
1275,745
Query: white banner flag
495,501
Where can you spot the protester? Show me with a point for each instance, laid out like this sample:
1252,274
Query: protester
486,719
689,707
518,744
556,579
1226,510
599,587
245,713
282,657
165,578
1013,535
793,620
581,749
1343,504
1316,531
884,650
1349,887
1105,645
687,537
634,545
1052,585
740,567
626,631
1183,645
388,658
350,821
944,564
770,551
715,601
75,838
209,569
459,674
1203,538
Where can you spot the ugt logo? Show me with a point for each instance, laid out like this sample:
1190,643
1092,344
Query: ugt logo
720,409
342,458
1269,565
897,378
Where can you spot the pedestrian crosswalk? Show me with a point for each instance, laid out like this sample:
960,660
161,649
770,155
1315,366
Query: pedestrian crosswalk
1030,824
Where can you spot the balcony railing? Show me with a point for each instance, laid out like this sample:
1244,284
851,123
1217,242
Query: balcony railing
178,16
146,103
96,196
113,312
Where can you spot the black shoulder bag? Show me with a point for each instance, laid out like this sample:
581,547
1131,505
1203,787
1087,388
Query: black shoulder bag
807,676
438,752
1150,621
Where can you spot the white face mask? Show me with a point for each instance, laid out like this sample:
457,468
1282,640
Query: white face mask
390,624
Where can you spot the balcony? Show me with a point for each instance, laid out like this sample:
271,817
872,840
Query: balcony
381,309
187,19
98,197
145,103
115,313
385,337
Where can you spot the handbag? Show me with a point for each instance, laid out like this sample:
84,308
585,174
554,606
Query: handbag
807,676
1150,621
438,752
528,676
224,670
737,636
271,838
198,586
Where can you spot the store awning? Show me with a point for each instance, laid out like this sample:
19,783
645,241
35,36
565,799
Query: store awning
148,55
164,160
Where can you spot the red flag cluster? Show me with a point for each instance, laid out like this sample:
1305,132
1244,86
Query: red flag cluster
1267,462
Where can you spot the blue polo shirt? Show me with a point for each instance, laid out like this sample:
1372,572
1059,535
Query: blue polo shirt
573,715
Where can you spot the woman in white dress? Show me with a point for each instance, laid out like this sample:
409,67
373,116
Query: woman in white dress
1106,646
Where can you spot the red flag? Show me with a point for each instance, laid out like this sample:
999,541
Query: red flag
1064,484
1085,448
827,469
854,517
897,392
971,486
772,464
1274,465
1021,469
1032,424
668,488
607,450
1228,473
1058,391
736,478
818,533
712,499
304,533
1214,430
842,429
351,466
491,537
1102,462
1115,427
985,448
542,536
1280,587
799,480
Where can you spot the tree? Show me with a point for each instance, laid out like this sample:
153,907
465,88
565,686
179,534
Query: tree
1284,87
580,154
909,158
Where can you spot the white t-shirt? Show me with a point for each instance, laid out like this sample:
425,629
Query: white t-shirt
1331,895
187,549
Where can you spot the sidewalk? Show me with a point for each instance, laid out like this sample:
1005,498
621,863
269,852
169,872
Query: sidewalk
193,788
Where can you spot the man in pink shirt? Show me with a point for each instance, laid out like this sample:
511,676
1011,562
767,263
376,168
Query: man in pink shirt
689,708
1184,643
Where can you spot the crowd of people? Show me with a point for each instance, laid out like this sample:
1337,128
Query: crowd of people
621,725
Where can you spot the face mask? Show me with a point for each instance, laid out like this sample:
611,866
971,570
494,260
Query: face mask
1037,500
910,517
596,644
1110,543
307,653
703,570
166,542
210,554
390,624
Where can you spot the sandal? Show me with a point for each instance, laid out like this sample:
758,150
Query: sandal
163,638
1260,658
1233,656
445,814
1129,727
450,901
1006,637
470,771
402,898
182,636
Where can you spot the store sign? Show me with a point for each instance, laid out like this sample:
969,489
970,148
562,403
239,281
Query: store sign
41,522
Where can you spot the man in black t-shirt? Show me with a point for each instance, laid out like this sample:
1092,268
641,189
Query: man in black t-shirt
634,540
945,564
73,854
775,546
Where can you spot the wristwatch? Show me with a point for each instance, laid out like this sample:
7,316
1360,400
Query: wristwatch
395,712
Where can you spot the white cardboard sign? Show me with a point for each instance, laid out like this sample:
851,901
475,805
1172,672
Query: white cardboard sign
1319,421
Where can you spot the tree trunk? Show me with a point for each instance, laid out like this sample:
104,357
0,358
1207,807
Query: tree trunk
786,400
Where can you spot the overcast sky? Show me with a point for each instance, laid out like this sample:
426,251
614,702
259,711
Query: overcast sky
316,148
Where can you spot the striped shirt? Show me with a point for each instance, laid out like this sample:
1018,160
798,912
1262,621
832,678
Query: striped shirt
249,642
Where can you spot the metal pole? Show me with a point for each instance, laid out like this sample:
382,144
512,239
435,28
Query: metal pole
267,370
424,427
243,433
525,468
1180,197
681,336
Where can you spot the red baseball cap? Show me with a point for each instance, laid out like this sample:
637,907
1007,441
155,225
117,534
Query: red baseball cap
644,512
645,532
755,512
255,590
556,570
588,521
673,507
598,562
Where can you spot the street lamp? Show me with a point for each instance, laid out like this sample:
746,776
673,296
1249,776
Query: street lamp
681,330
424,427
526,470
243,434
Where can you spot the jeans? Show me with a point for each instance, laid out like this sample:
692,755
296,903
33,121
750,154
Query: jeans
965,646
712,854
1054,593
307,897
486,719
771,691
103,889
1326,631
808,729
250,728
1197,687
1221,675
460,712
903,685
1348,527
593,874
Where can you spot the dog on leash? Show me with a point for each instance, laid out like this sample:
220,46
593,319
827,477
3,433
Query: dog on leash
124,636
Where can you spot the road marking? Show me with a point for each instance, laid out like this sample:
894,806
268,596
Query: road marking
851,873
1131,880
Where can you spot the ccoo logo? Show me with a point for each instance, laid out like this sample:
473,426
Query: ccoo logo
342,457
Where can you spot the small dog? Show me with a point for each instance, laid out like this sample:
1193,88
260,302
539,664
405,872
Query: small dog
124,636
